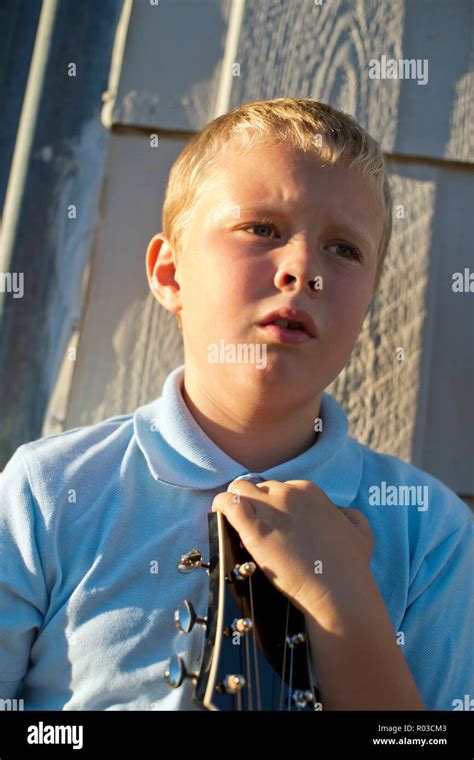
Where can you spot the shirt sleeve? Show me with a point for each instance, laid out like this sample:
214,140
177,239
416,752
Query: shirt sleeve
23,593
438,624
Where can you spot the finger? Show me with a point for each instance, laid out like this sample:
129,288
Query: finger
240,512
260,494
358,519
303,484
311,487
313,495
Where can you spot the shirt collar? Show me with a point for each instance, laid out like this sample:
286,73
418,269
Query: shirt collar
179,453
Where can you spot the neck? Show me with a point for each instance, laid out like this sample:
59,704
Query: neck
255,434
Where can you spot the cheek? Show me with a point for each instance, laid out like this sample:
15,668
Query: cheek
242,283
254,276
215,291
201,279
345,309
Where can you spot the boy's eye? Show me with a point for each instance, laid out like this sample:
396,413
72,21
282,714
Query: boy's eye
353,252
261,226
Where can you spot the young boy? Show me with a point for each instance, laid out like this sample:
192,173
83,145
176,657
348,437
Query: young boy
279,210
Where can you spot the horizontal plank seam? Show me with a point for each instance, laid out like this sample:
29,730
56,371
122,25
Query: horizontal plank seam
400,157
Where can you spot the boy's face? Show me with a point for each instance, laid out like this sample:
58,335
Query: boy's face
234,269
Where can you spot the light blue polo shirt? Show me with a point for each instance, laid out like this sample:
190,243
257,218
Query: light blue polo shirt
94,520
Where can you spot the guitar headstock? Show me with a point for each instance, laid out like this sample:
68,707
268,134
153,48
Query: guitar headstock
255,654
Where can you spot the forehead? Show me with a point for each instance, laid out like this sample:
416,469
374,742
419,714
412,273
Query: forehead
281,178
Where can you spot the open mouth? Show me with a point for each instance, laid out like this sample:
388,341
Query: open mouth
286,331
288,323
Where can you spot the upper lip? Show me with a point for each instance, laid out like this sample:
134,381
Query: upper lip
288,312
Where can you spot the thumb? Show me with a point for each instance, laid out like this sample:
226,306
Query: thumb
239,511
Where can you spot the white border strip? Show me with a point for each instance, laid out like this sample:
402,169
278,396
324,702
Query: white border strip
230,52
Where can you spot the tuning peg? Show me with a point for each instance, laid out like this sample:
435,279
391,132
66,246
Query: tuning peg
192,561
241,572
302,698
231,684
185,617
293,641
239,625
176,672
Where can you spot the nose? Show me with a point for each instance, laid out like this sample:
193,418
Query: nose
297,272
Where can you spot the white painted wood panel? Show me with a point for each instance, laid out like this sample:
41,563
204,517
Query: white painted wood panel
167,66
128,342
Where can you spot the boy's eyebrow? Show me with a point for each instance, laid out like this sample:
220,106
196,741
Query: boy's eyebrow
355,229
341,222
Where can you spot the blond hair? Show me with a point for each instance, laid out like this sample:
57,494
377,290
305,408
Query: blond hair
310,125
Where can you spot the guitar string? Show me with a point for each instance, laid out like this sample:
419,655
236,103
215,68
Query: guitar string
308,663
247,662
240,696
290,679
274,677
257,678
257,672
283,668
249,679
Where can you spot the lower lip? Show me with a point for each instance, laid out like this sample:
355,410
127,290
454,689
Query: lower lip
286,334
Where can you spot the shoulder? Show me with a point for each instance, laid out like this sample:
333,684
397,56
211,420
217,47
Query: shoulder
78,445
47,467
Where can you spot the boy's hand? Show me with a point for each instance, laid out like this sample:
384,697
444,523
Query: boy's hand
315,553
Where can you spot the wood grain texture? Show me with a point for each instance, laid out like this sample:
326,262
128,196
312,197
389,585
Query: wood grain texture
323,52
420,408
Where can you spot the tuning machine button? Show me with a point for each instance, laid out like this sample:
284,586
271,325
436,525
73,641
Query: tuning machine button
192,561
302,698
242,625
176,672
242,572
294,641
239,625
232,684
186,617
